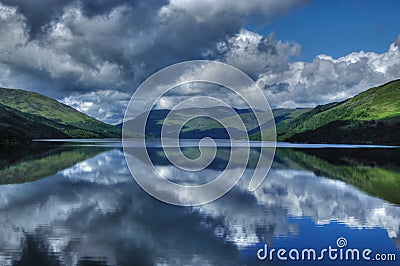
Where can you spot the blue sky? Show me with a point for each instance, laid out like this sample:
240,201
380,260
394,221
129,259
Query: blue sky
337,28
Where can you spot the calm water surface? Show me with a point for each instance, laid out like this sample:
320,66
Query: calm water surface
73,203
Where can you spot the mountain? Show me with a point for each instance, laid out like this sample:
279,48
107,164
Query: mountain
372,116
203,126
27,115
199,127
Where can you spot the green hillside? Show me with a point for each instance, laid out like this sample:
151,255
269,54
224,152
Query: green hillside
372,116
27,115
16,126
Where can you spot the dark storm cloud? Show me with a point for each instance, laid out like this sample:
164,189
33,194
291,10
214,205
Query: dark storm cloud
124,39
82,46
40,13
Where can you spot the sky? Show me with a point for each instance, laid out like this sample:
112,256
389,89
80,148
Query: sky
337,27
92,55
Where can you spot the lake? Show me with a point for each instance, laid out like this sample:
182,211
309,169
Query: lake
76,203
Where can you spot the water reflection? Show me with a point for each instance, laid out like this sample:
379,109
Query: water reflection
94,212
19,164
375,171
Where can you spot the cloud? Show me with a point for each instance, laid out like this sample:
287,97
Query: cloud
255,54
64,49
326,79
210,9
288,83
82,45
105,104
46,62
41,13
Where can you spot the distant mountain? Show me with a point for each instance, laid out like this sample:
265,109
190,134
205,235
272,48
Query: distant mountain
27,115
202,126
372,116
195,128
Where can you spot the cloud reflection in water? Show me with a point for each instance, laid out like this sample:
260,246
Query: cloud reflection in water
94,210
